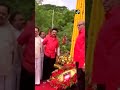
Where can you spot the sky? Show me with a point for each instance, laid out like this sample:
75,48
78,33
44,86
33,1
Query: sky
70,4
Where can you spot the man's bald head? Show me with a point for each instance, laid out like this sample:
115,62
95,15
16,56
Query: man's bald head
81,24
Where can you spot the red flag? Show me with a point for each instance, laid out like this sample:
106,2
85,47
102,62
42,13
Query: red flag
49,31
64,39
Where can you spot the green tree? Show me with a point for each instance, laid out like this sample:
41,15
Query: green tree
63,20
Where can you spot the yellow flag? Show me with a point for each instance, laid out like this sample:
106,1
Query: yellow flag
80,15
96,20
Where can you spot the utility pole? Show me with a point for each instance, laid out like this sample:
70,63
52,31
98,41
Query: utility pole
53,19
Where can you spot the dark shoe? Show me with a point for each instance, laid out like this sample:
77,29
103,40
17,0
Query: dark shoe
101,87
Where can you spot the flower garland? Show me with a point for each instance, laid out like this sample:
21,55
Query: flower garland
64,77
64,84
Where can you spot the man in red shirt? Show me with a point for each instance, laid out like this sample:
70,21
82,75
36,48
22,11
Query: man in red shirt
51,47
27,40
79,55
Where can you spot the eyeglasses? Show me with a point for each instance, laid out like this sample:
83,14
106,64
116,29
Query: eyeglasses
79,24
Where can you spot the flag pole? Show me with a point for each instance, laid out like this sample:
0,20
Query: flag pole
53,19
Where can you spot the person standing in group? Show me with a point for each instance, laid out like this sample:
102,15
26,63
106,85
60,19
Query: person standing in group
27,40
79,55
18,22
42,36
7,50
38,58
51,47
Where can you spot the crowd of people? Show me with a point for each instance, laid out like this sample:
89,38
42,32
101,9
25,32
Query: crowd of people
27,57
16,50
47,49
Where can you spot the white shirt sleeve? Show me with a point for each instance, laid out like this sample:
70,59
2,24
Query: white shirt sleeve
58,51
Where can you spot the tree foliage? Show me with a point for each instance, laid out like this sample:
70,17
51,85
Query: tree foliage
63,20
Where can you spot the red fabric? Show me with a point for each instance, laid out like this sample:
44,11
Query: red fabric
44,87
79,50
107,52
27,39
51,44
49,31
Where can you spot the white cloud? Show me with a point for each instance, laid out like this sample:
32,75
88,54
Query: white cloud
71,4
54,2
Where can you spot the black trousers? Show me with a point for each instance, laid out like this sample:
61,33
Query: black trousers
48,67
80,78
27,81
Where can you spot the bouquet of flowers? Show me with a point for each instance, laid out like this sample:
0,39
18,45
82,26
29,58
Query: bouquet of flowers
62,61
65,76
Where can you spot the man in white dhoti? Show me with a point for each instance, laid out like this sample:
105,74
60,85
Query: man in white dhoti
42,36
38,64
18,22
7,51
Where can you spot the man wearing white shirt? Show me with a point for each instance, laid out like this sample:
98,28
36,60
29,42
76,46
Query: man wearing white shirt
7,50
38,62
18,22
42,36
